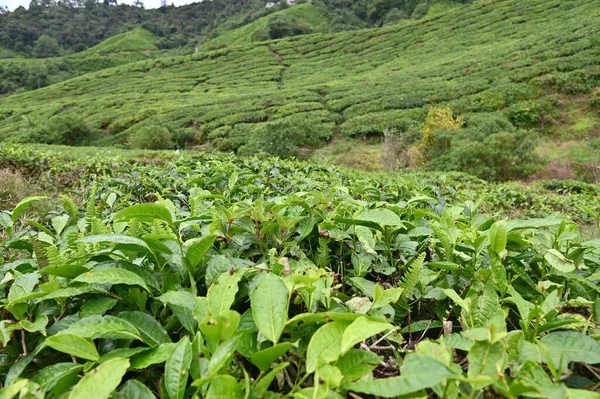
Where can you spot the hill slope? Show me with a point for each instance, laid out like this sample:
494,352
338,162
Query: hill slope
305,16
499,60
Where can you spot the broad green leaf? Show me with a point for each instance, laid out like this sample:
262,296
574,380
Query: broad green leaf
109,327
383,217
133,389
49,376
21,206
264,358
59,223
365,236
23,285
418,372
116,239
269,301
177,369
145,213
197,249
357,363
497,235
97,306
559,261
73,345
224,387
111,275
23,388
325,345
222,354
182,299
361,329
564,347
151,331
383,297
156,355
102,381
221,295
488,360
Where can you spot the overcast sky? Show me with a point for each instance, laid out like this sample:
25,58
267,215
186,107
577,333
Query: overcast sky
12,4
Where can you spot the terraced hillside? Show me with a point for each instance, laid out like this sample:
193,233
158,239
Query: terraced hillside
514,57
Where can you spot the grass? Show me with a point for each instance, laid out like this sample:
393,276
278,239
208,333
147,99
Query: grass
486,57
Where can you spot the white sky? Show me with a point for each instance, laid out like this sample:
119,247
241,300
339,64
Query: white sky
12,4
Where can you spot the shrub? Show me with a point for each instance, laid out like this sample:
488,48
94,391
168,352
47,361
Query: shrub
525,114
152,138
62,129
284,137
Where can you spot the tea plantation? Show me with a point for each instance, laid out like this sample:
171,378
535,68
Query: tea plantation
504,67
195,276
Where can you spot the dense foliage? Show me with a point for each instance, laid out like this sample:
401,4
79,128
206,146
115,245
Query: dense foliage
221,277
355,84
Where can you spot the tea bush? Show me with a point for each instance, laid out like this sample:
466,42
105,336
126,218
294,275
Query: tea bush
224,277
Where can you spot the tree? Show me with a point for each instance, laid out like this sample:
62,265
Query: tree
46,46
3,9
138,3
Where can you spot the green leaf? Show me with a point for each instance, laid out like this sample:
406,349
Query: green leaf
133,389
222,354
116,239
559,261
145,213
109,327
177,369
151,331
49,376
325,345
488,360
564,347
156,355
418,372
383,297
365,236
269,301
197,249
323,317
361,329
73,345
263,359
262,385
224,387
221,295
102,381
497,235
111,275
21,206
182,299
383,217
357,363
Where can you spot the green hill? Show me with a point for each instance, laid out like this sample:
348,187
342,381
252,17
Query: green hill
135,40
505,67
306,16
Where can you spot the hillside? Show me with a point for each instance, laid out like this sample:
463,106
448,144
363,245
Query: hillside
301,19
502,66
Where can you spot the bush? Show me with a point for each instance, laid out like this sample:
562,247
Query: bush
151,138
525,114
284,137
62,129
